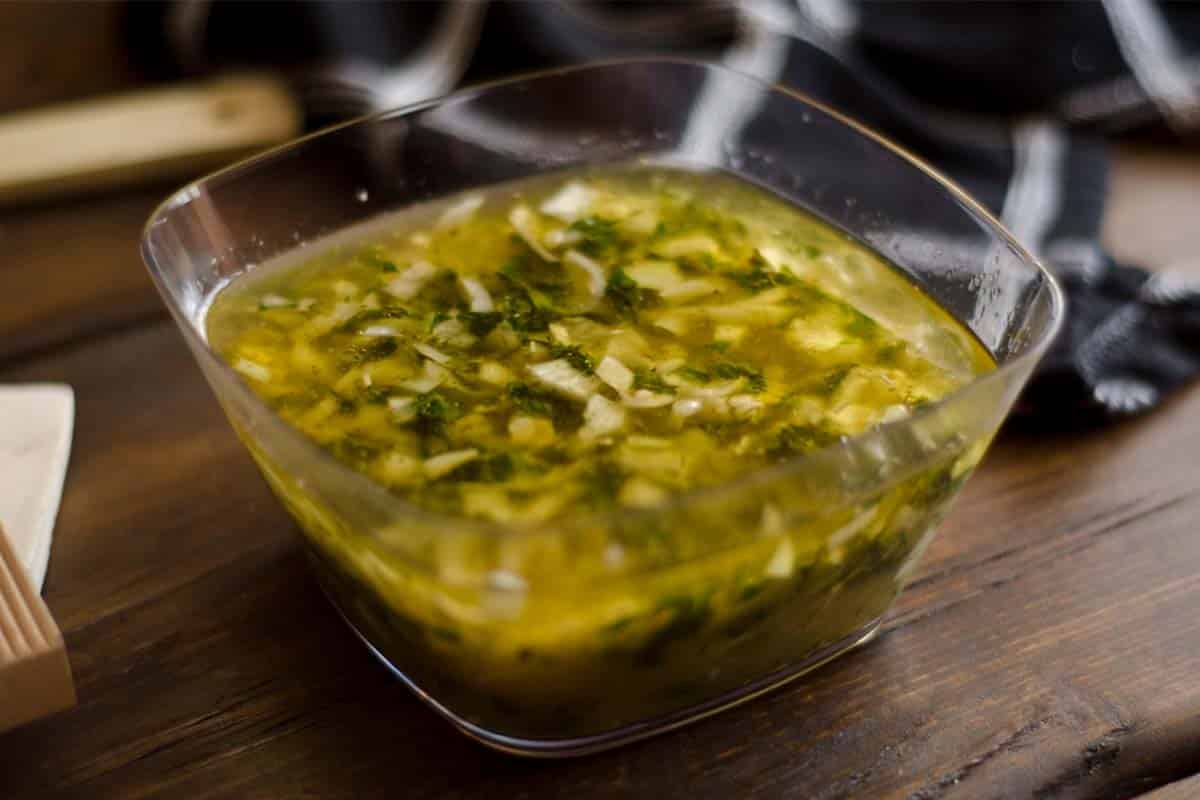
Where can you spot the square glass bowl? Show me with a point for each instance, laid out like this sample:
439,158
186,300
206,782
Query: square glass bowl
584,633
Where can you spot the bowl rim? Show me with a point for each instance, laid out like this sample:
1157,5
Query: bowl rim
763,476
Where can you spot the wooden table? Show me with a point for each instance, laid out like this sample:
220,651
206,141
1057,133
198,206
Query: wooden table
1050,647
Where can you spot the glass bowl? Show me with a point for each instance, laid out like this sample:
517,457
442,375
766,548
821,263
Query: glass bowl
580,634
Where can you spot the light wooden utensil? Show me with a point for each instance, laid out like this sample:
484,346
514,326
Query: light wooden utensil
35,675
162,133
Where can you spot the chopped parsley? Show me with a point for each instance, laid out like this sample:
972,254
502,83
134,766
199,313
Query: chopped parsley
758,276
793,440
600,236
627,296
361,353
645,378
728,371
481,323
694,375
575,356
433,410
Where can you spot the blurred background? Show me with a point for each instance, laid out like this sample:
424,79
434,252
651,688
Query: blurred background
1118,67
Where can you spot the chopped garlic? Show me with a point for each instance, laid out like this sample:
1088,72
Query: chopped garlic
644,398
453,333
432,353
691,244
493,373
379,330
783,561
531,431
661,276
403,408
597,280
602,417
446,463
521,218
252,369
772,521
641,493
689,290
745,406
687,406
477,296
615,374
409,283
399,468
569,203
729,333
562,236
563,378
559,333
274,301
433,376
345,289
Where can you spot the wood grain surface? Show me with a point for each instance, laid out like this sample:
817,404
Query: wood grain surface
1049,647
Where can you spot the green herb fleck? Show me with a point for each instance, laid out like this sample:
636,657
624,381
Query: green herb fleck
377,395
522,313
600,236
759,277
601,484
345,404
792,440
891,354
860,325
833,379
361,353
373,258
533,401
727,371
694,375
433,410
626,295
645,378
488,469
481,323
575,356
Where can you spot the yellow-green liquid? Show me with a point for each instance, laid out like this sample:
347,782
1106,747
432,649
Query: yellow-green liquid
549,350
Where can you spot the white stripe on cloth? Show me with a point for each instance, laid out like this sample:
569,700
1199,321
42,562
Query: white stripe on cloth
1151,52
837,19
727,103
1034,197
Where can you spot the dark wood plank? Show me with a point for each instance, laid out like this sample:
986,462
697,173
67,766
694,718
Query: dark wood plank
61,51
1048,648
72,270
1186,789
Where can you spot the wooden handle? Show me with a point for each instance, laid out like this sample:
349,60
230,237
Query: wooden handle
35,675
157,133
